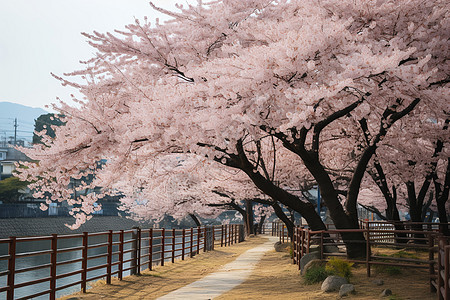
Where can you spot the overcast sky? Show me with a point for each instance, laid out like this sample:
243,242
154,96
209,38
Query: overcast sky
42,36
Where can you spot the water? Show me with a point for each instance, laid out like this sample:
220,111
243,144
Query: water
43,259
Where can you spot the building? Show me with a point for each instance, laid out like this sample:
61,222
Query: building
8,157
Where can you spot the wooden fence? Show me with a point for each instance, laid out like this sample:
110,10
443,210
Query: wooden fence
279,229
416,236
102,255
442,284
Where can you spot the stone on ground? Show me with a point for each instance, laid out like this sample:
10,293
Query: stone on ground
378,282
333,283
385,293
313,263
282,247
346,289
306,259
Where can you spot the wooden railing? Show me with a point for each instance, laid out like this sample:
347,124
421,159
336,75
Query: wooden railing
442,284
279,229
100,255
383,234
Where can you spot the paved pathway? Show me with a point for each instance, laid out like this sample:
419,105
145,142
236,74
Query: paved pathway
226,278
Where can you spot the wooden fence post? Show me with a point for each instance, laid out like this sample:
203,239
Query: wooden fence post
133,262
120,275
53,256
299,244
221,236
109,258
191,243
11,267
294,247
163,245
213,237
431,259
198,239
440,279
84,262
183,242
150,249
173,245
308,240
368,250
205,239
232,233
446,275
321,244
139,245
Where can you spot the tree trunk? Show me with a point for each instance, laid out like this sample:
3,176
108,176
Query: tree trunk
443,220
282,216
196,220
415,208
392,213
249,220
354,241
261,224
442,194
394,216
278,194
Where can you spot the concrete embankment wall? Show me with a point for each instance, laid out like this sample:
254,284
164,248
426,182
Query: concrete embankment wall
47,226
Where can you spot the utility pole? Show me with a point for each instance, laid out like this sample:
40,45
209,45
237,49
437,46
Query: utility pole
15,131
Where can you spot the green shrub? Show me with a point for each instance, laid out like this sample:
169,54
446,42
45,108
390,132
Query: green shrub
340,267
316,274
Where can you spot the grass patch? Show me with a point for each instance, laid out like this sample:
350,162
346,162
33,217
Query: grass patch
316,274
390,270
401,254
405,254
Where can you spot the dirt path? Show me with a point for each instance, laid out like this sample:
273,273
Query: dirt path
226,278
163,280
273,277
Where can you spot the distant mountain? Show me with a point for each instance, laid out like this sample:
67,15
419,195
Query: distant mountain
19,111
25,120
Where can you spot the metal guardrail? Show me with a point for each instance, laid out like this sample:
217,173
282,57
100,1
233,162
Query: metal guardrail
129,250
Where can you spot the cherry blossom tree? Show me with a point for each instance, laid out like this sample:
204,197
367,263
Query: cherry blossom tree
413,162
329,80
